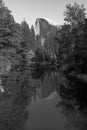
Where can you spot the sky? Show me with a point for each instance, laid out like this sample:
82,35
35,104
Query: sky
32,9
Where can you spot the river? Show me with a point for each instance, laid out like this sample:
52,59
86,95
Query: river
39,99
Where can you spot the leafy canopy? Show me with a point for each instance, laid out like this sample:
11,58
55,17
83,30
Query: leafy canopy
75,14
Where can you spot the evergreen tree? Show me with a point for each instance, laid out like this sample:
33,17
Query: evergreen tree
25,31
10,36
6,19
32,34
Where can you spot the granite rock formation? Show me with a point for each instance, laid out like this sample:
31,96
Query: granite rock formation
44,29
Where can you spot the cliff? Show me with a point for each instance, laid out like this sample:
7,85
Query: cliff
42,27
45,28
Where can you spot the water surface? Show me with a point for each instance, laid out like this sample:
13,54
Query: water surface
42,100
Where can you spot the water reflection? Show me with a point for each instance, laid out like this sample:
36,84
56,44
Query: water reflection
76,91
18,94
58,101
74,102
12,112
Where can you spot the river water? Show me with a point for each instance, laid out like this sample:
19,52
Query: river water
39,99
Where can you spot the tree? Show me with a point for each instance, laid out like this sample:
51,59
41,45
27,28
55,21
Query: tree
63,40
6,19
25,31
72,37
32,34
75,14
10,36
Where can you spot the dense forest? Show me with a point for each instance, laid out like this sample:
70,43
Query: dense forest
19,46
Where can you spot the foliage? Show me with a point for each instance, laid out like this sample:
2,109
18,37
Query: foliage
25,31
72,37
5,65
75,14
39,55
32,34
10,37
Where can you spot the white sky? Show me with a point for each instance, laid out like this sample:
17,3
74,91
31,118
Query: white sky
32,9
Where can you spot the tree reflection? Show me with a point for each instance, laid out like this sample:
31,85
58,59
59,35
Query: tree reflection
13,102
74,102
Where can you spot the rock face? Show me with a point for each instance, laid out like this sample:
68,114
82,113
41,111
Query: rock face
44,28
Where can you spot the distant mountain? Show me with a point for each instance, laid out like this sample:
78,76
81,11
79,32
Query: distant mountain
44,25
45,28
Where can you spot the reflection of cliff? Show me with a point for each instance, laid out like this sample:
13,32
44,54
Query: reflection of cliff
47,86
